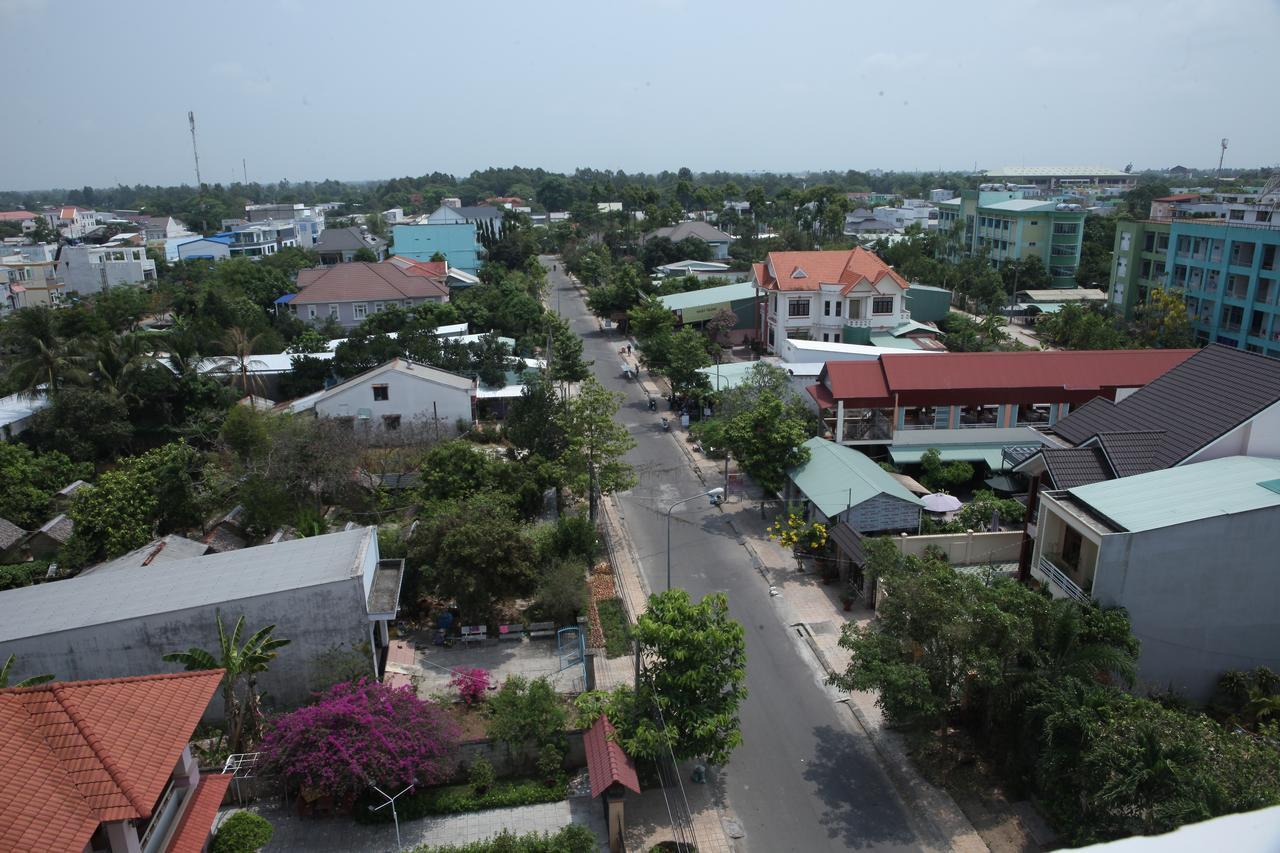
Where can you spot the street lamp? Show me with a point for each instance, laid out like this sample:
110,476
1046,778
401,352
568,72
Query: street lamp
715,494
391,801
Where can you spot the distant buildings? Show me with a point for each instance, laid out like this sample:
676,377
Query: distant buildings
29,279
349,293
92,269
840,296
341,245
72,222
1222,257
1057,178
308,222
1010,227
716,239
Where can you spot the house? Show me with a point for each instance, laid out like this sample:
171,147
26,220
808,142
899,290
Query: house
696,307
260,239
341,245
17,412
166,549
160,228
30,282
452,277
25,218
353,291
106,765
1188,552
320,592
47,541
709,234
899,396
840,485
93,269
11,538
862,221
398,394
455,242
700,269
831,296
72,222
482,215
216,248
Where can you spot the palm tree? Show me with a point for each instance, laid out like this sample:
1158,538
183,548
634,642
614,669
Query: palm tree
117,359
1070,653
42,358
239,346
26,682
241,665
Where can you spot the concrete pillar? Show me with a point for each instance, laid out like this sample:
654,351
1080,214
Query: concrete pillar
839,421
122,837
187,772
901,419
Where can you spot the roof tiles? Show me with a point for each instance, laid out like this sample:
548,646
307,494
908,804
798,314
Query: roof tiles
607,764
361,281
801,271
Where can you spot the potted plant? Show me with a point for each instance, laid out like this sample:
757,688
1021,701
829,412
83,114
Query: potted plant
847,599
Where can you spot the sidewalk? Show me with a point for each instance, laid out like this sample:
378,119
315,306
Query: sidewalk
816,609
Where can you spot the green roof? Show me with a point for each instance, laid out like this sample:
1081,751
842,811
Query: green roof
891,341
837,477
992,455
1227,486
709,296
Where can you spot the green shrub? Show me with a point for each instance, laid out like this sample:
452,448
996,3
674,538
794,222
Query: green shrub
562,593
550,761
574,838
17,575
243,832
481,776
617,632
457,799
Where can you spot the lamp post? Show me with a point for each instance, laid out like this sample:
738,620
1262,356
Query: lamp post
715,495
391,801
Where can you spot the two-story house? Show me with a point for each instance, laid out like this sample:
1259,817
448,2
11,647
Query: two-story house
105,766
836,296
72,222
351,292
716,240
92,269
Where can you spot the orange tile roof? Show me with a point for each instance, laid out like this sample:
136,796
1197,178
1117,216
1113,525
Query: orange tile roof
431,269
360,281
79,753
607,764
16,215
798,271
198,813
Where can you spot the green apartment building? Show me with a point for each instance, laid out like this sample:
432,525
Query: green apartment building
1011,227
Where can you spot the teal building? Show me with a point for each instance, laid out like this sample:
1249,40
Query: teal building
1009,227
457,242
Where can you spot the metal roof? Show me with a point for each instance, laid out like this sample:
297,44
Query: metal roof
1055,172
836,478
104,597
709,296
1020,205
1226,486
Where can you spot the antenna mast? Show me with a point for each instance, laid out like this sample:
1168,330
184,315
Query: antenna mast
1223,154
191,119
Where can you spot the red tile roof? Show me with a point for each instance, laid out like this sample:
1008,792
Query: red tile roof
607,764
198,813
361,281
16,215
797,271
1179,197
79,753
431,269
969,378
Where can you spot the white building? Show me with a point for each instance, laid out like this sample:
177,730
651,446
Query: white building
160,228
72,222
398,394
936,196
91,269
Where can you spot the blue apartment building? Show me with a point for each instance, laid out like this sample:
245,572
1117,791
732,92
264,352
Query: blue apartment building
456,241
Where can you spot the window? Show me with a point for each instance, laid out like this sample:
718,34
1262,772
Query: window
882,305
361,309
381,393
798,308
1125,239
826,311
333,311
311,311
1035,222
839,307
1237,215
391,422
377,307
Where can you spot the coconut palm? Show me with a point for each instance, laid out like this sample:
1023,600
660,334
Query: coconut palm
239,346
26,682
42,358
241,664
117,360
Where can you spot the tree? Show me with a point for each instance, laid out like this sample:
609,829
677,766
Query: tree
1078,327
359,734
1162,321
525,716
566,363
31,480
720,325
365,255
535,422
376,223
30,681
242,832
767,440
240,346
688,354
937,475
41,358
596,443
694,677
241,664
1026,273
1096,252
86,425
653,326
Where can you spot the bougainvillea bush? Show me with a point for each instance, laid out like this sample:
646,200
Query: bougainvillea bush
362,732
471,684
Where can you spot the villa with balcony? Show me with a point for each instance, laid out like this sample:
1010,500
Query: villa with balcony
834,296
106,766
1187,551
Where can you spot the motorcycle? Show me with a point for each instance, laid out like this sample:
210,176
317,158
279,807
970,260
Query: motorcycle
653,405
666,425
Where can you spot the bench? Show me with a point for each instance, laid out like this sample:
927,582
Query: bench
474,633
511,632
542,630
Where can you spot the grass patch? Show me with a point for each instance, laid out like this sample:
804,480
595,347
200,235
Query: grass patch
572,839
617,631
457,799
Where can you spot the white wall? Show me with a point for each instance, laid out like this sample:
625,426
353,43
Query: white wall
1259,437
410,397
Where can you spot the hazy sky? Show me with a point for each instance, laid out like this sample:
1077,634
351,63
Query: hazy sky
99,91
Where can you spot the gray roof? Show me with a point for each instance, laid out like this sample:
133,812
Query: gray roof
1130,452
1211,393
482,211
347,240
702,230
10,533
102,597
1075,466
167,549
58,528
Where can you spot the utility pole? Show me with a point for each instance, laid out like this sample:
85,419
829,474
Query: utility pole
1222,155
244,166
191,120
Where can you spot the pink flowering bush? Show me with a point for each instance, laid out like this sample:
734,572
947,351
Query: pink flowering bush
471,683
362,732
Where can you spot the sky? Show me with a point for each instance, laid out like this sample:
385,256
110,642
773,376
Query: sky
369,90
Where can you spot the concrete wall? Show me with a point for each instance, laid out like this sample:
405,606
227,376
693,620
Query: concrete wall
1203,598
966,549
506,764
1259,437
314,620
407,396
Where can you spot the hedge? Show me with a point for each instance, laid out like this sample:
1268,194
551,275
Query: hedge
574,838
16,575
456,799
613,622
243,832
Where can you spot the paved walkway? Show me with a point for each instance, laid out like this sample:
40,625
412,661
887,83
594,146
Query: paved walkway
341,834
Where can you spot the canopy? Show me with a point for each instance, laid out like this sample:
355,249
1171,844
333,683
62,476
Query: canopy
955,453
940,502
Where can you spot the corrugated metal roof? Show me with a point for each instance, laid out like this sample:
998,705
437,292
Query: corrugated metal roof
104,597
836,478
1056,172
1226,486
709,296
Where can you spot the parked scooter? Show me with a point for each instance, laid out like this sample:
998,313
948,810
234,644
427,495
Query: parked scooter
666,425
653,404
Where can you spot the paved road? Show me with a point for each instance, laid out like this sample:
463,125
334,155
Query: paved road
803,779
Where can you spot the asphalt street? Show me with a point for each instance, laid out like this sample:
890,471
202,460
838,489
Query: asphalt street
805,778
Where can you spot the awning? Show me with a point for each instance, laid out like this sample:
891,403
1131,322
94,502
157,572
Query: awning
992,456
286,298
1005,483
849,541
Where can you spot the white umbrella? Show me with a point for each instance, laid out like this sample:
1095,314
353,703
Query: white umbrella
940,502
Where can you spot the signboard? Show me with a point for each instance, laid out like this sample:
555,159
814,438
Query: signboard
699,313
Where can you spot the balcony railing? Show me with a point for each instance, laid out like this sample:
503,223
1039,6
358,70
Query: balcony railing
1061,580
